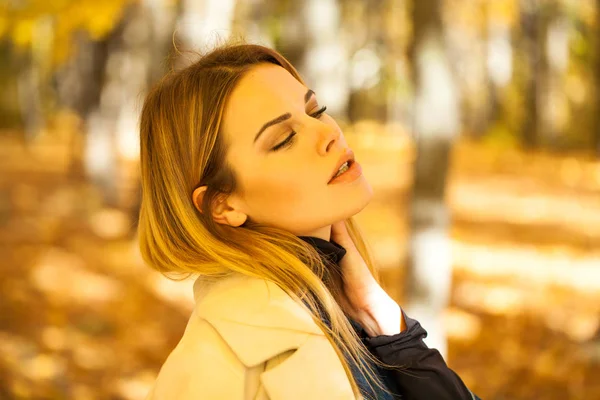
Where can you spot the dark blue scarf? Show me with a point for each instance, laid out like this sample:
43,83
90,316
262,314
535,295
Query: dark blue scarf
334,252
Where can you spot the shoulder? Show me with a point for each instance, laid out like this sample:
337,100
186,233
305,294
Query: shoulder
238,325
252,302
201,365
248,333
255,317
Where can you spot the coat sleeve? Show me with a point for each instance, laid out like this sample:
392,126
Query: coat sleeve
425,374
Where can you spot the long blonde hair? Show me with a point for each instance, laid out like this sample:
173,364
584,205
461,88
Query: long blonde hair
181,149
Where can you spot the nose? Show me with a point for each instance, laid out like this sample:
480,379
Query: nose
328,135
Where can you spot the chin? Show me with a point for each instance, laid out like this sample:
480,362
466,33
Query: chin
361,199
367,190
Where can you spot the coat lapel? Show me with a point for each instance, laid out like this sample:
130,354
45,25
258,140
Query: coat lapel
258,320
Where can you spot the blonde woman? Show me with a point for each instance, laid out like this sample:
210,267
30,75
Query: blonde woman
249,186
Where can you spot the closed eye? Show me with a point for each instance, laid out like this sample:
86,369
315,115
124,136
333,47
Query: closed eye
290,139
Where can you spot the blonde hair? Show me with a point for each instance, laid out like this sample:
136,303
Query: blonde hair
181,149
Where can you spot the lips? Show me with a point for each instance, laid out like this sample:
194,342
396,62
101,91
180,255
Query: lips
348,155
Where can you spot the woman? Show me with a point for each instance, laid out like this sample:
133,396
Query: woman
237,161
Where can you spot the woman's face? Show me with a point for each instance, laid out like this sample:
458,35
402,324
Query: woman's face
283,179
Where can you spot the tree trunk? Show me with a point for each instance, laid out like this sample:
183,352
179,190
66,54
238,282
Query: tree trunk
325,61
132,60
596,139
531,55
554,53
205,23
34,76
436,123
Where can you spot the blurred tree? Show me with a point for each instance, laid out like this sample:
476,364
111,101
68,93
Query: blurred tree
279,24
202,24
310,35
395,63
42,35
555,53
436,123
596,130
325,58
135,54
482,101
10,115
532,68
252,20
369,73
579,85
499,22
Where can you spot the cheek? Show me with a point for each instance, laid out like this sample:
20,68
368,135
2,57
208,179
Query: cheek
283,192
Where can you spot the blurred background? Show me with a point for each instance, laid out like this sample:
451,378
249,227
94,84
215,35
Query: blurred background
476,122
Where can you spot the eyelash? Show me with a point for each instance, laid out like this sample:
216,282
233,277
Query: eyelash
289,140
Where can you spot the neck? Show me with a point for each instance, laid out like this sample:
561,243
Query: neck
321,233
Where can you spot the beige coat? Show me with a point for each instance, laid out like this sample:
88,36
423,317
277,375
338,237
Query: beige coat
247,339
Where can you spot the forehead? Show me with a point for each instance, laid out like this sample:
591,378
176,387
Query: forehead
269,80
263,93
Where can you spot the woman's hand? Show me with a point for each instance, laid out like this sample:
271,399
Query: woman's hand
362,298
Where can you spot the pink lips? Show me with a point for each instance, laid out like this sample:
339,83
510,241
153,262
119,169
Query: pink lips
348,155
350,175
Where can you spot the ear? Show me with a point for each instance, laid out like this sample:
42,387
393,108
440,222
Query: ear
222,212
197,197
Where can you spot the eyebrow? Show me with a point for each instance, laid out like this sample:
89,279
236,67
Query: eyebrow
282,117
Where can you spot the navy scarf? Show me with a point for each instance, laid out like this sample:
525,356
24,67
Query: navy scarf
334,253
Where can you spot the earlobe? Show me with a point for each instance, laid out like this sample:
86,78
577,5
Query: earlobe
233,218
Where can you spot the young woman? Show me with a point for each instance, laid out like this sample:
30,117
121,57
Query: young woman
237,161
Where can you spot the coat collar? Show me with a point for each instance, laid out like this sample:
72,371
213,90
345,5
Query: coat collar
257,303
258,321
255,317
327,249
